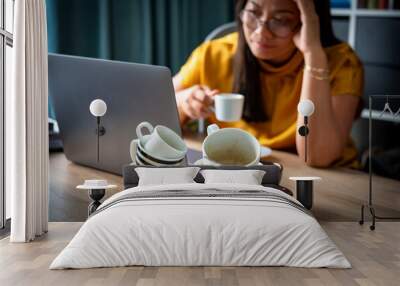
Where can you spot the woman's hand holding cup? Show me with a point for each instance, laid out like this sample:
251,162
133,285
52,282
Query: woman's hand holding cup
197,101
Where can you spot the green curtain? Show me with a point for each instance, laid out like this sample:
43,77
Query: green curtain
161,32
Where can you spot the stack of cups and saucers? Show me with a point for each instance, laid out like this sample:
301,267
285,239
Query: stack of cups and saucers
160,147
222,146
227,146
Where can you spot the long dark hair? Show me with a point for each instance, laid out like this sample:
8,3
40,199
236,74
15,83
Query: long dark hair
246,70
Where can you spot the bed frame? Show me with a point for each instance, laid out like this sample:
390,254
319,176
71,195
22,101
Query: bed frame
272,177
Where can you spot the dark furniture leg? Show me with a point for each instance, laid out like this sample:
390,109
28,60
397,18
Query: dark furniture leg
96,195
374,217
304,191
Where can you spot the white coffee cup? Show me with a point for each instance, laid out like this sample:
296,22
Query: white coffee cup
228,107
230,146
163,143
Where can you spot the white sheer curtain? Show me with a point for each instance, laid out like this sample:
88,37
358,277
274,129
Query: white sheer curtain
27,125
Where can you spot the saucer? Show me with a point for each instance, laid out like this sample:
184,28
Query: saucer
160,160
140,159
203,162
148,162
265,151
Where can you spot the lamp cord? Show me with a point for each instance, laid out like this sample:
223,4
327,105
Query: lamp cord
305,138
98,138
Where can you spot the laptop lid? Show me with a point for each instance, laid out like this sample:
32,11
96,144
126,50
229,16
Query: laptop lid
133,93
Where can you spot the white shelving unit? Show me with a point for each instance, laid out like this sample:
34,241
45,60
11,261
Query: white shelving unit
354,12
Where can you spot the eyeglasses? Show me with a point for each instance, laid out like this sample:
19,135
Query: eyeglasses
280,28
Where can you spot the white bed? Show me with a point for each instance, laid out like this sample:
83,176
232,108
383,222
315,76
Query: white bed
183,230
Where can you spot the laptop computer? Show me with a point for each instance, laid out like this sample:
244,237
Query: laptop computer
133,93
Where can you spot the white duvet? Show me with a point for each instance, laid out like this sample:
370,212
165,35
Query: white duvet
200,231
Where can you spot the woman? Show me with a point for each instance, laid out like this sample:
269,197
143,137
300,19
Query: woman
284,51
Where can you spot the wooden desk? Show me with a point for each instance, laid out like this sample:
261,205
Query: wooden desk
337,197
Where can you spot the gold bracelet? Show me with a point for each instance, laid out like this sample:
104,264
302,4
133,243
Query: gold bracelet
318,70
317,73
322,77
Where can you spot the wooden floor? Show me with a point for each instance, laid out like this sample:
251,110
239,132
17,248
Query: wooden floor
375,257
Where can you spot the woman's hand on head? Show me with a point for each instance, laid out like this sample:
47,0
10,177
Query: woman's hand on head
307,39
196,101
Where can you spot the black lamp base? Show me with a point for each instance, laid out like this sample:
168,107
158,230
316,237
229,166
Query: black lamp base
304,193
96,195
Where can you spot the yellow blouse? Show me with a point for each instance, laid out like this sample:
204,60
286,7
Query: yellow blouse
211,64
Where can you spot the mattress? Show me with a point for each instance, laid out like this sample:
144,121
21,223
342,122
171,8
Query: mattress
201,225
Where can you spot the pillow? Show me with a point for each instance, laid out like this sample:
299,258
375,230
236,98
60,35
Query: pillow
248,177
163,176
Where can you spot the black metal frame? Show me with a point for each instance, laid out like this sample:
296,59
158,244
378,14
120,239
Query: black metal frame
370,204
6,39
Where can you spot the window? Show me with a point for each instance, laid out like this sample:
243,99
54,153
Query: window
6,43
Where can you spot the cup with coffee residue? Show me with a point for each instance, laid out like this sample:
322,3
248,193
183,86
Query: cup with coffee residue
230,146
